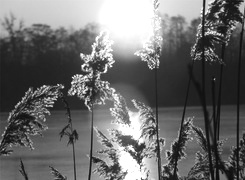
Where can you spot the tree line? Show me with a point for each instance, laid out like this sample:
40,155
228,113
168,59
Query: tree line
39,54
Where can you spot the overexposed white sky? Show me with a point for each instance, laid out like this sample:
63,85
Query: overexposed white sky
77,13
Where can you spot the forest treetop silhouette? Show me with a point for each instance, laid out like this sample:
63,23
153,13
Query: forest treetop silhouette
29,51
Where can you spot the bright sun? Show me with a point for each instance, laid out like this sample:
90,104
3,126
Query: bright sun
126,18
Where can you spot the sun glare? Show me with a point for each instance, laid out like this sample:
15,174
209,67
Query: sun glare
126,18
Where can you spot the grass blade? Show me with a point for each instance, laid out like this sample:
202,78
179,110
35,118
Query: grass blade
91,143
22,170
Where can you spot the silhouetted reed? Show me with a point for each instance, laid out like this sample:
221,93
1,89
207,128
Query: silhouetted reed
89,87
238,95
177,153
27,117
70,133
151,53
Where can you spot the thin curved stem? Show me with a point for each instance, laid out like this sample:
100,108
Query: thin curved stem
74,157
183,116
156,101
157,128
215,131
74,161
220,91
73,141
91,143
238,96
204,105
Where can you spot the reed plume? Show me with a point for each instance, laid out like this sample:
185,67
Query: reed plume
129,140
151,53
111,167
218,24
57,175
152,46
89,87
177,150
200,169
238,165
27,117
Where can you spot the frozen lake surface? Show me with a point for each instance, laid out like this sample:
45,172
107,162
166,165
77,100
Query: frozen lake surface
50,151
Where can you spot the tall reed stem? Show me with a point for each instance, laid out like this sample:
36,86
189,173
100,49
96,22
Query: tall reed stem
216,117
204,94
157,127
215,130
74,158
238,95
23,171
72,142
220,91
183,117
91,143
156,100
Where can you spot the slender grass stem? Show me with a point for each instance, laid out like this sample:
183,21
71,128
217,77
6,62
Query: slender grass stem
204,94
73,149
216,117
91,143
220,91
183,116
73,140
215,131
23,171
238,96
214,107
157,127
156,101
74,157
74,161
73,154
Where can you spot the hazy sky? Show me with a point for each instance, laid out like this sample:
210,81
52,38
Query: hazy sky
77,13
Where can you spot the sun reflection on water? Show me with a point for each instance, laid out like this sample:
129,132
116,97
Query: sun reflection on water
127,162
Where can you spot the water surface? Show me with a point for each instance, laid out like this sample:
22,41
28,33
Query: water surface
50,151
